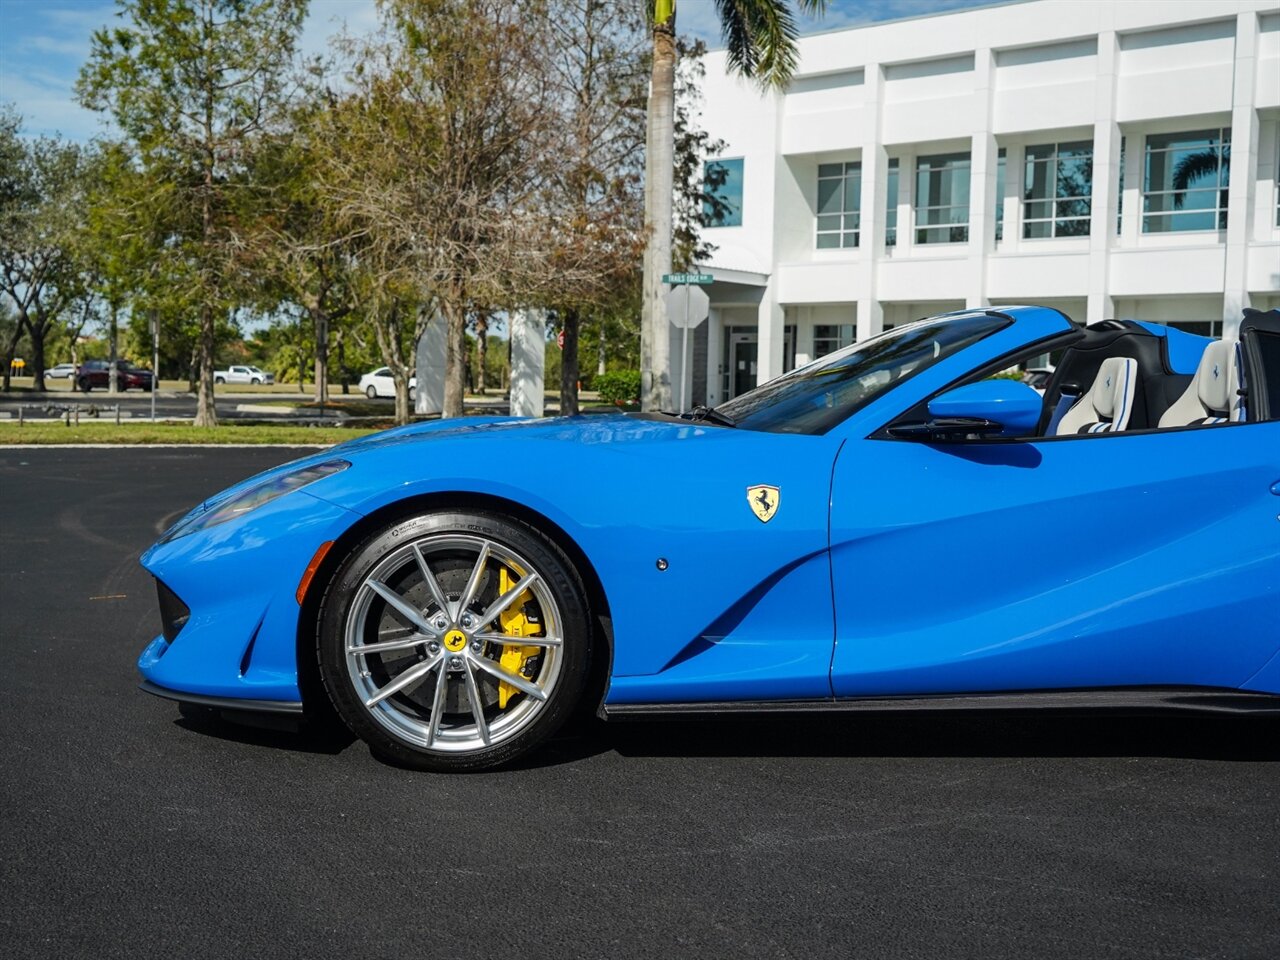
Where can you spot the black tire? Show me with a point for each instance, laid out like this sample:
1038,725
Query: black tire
255,381
371,392
413,394
219,379
555,570
84,385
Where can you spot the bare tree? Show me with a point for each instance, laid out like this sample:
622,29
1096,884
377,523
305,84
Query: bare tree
439,164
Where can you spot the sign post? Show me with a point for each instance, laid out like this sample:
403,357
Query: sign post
686,310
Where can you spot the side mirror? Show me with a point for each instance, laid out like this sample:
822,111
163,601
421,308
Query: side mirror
990,408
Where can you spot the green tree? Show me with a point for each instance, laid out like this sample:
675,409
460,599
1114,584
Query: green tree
760,39
191,83
41,202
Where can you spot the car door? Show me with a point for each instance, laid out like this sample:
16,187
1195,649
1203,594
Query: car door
1157,561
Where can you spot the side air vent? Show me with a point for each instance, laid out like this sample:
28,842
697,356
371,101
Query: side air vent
173,612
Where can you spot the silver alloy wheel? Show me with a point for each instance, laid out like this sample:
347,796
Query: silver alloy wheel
402,637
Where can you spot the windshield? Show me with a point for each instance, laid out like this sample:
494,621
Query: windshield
816,397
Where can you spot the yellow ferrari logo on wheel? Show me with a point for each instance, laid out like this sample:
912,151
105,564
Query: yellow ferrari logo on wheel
455,640
764,501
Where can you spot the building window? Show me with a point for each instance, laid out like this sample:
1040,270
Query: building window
891,205
1057,190
722,193
839,200
942,198
1000,165
828,338
1185,184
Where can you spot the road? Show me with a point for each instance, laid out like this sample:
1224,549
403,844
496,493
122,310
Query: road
128,832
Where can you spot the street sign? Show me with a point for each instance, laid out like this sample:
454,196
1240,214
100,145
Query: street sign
686,308
681,278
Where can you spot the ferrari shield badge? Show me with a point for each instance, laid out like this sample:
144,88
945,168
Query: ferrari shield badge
764,501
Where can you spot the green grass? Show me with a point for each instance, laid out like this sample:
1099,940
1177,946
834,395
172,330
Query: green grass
144,433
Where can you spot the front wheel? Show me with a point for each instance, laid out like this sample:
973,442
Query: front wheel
85,385
255,381
454,641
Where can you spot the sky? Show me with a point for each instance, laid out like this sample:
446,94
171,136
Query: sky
44,42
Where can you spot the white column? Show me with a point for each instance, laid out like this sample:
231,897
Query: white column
1134,161
1014,170
772,335
430,362
874,202
528,362
906,202
1244,174
983,156
715,350
1106,180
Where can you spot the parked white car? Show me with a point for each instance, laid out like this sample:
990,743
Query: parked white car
243,374
63,371
380,383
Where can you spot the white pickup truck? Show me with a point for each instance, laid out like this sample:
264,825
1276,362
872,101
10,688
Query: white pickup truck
242,374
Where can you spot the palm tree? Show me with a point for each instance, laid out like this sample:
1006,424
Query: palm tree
760,40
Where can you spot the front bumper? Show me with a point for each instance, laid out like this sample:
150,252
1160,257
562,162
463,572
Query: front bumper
289,708
239,581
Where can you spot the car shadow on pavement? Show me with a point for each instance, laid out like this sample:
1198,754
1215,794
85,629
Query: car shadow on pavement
326,738
1245,739
1232,739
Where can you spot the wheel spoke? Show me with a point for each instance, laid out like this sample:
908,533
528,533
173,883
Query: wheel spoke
409,677
402,606
506,600
511,641
522,684
404,643
477,705
437,705
473,582
432,584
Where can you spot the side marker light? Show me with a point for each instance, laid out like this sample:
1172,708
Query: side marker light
310,572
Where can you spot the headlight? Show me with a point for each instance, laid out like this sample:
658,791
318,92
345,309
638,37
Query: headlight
251,498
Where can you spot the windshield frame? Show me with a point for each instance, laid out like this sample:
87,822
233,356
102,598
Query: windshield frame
793,385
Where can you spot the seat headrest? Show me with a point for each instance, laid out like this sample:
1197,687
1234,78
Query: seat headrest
1214,380
1110,386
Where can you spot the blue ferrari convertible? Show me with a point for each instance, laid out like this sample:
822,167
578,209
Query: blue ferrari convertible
848,536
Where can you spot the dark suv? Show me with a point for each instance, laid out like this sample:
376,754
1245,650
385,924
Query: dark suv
97,373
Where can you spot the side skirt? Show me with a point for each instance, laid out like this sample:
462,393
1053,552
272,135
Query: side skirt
1140,700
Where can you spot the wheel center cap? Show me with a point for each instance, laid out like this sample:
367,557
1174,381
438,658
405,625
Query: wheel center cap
455,640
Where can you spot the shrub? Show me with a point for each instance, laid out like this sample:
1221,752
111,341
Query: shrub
619,386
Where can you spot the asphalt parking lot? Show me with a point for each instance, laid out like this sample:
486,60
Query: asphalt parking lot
126,831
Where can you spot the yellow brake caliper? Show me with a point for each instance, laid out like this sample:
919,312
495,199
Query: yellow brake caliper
514,624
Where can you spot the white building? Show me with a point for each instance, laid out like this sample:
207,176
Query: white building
1072,153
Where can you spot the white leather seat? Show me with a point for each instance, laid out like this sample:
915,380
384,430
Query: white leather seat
1108,404
1213,396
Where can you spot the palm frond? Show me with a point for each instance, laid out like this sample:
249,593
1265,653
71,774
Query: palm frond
760,37
1194,166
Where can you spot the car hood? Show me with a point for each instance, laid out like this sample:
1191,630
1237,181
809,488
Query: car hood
429,442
